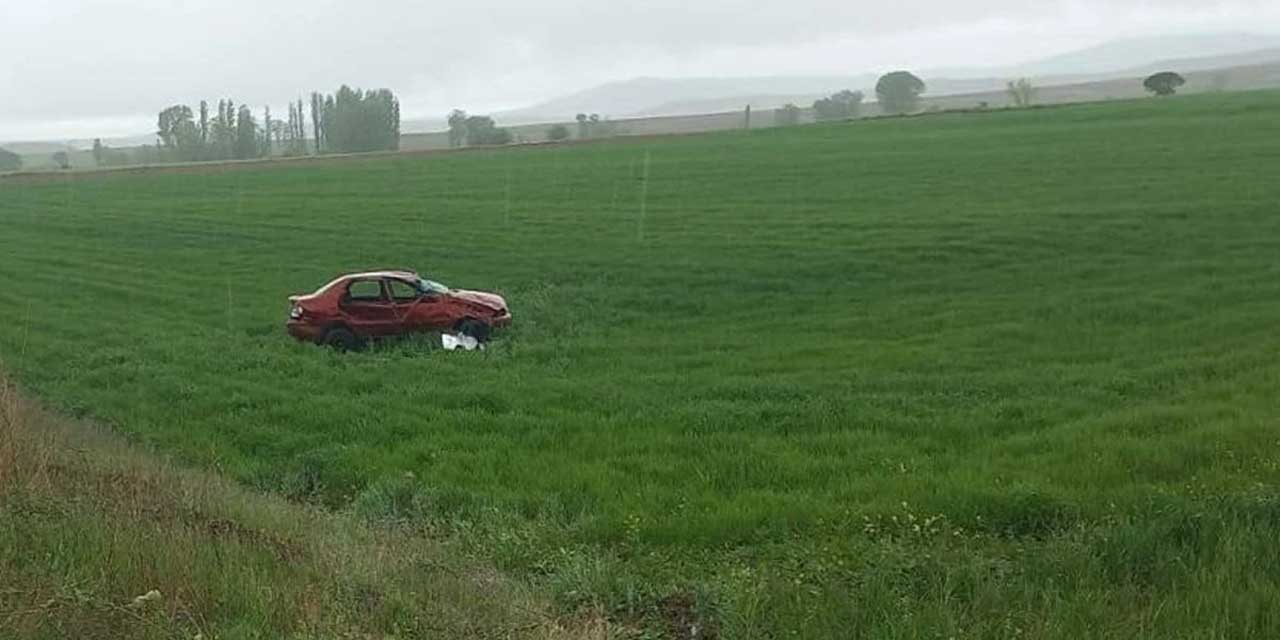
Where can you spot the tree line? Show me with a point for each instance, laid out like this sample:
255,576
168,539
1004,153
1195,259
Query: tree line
347,121
899,93
231,132
470,131
352,120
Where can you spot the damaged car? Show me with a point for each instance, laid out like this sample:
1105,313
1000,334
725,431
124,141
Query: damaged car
356,308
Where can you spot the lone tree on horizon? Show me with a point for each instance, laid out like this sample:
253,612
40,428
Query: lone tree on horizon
1165,83
899,92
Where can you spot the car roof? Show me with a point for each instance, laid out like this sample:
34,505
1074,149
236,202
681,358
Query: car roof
369,275
403,275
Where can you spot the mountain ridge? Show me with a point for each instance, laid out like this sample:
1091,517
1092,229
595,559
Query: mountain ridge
656,96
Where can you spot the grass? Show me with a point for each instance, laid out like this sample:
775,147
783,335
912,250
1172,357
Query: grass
89,527
1051,334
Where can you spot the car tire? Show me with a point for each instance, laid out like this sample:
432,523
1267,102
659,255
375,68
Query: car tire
474,328
341,339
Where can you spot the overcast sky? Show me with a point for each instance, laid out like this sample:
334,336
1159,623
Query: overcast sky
81,68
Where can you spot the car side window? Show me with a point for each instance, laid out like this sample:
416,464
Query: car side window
365,291
402,291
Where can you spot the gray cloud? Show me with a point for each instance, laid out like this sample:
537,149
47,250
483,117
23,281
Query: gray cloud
102,66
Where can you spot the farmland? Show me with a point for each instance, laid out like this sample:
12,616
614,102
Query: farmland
966,374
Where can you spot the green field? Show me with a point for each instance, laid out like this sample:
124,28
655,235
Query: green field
974,375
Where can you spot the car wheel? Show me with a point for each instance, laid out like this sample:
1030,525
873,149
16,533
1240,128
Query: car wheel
341,339
474,328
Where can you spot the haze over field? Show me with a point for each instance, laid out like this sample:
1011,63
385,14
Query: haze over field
116,64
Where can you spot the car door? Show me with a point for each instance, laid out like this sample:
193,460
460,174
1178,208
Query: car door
368,310
419,311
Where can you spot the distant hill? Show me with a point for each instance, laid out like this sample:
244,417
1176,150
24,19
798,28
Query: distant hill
648,95
1209,63
1117,59
35,148
1136,53
708,118
1238,78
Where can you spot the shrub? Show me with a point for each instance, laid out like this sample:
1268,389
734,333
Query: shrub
1165,83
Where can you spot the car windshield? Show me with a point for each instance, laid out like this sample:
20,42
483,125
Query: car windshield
431,286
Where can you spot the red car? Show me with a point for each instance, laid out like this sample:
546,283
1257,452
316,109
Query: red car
359,307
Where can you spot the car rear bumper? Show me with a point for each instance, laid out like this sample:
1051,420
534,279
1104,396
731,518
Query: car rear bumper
303,331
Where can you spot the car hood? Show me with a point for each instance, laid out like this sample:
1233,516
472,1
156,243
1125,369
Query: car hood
490,300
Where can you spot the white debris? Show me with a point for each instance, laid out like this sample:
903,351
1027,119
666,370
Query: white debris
142,600
462,341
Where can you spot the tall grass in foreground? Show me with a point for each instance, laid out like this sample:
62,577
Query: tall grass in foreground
100,541
97,541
